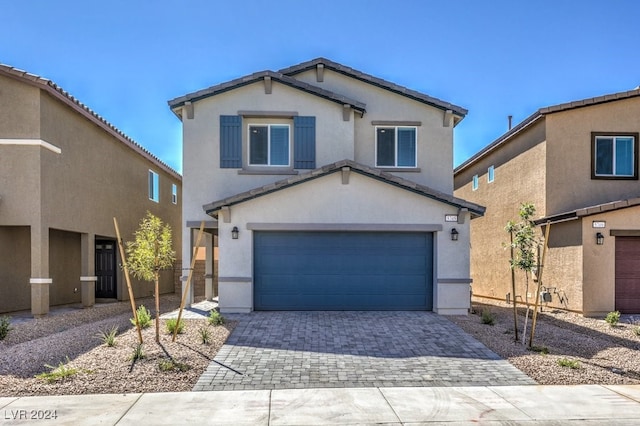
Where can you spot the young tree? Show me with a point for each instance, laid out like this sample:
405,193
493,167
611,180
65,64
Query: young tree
525,244
150,253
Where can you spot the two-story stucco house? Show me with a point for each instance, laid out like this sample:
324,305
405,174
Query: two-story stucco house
326,189
65,173
578,164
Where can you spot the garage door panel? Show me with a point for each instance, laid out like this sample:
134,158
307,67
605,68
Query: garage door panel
342,271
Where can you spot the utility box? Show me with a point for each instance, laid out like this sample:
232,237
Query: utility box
545,297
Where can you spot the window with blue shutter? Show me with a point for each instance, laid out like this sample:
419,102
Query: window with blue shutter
230,142
304,145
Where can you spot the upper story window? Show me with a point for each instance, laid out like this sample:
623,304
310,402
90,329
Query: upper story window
269,145
396,146
474,184
490,174
154,186
174,193
614,156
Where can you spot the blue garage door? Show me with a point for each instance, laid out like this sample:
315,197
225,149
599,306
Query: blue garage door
343,271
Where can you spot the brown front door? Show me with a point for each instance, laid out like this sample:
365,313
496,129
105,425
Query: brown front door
106,269
628,275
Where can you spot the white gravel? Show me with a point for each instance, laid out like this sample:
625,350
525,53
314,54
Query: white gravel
101,369
605,354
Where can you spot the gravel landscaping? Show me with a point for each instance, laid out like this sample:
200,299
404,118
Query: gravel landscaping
605,355
73,335
602,354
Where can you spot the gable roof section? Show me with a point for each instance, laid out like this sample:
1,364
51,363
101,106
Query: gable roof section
475,209
541,113
379,82
275,76
60,94
588,211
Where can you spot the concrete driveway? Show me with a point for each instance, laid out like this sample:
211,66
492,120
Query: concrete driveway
289,350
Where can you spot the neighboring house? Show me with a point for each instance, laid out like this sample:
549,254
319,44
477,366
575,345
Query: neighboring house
65,173
578,164
329,189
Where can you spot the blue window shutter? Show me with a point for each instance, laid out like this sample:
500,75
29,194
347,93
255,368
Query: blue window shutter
230,142
304,142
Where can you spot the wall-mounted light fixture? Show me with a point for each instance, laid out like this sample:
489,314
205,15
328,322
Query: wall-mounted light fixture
454,234
234,233
599,239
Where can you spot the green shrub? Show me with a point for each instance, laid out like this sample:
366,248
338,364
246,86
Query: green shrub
108,337
636,330
144,317
138,352
60,372
171,365
172,323
215,318
613,318
540,349
571,363
488,317
205,335
5,326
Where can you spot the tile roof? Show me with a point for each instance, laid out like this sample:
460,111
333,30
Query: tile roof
540,113
367,78
588,211
64,96
252,78
475,209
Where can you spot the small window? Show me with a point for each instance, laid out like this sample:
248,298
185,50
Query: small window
154,186
396,146
174,193
474,184
269,145
614,156
490,174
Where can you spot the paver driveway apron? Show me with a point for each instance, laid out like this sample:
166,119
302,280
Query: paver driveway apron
284,350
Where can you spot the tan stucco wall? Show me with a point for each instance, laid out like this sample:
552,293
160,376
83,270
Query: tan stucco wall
64,267
518,181
15,268
563,265
97,178
19,108
327,201
435,141
599,261
569,183
78,190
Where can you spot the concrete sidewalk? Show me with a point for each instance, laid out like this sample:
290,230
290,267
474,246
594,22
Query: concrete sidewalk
495,405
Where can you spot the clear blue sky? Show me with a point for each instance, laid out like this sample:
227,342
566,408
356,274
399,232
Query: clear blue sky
126,58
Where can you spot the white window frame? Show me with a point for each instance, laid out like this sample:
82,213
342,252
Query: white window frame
174,193
395,146
614,174
491,174
474,183
154,186
268,125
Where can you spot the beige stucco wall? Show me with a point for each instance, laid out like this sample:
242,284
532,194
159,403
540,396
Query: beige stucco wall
569,183
515,182
599,261
435,141
327,201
